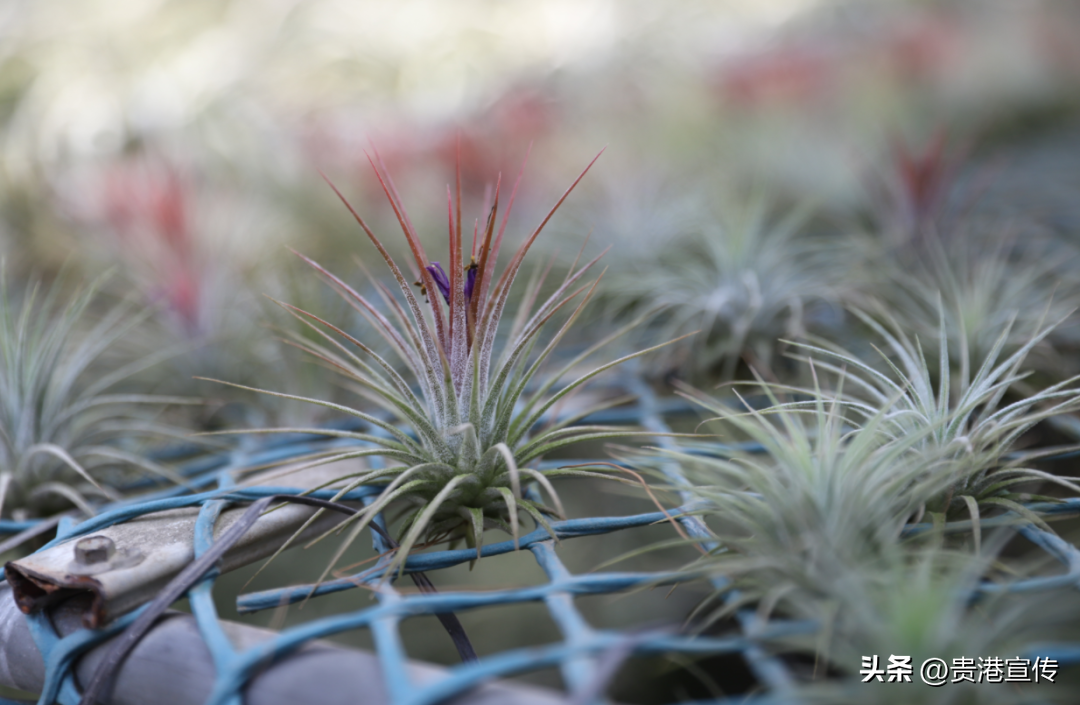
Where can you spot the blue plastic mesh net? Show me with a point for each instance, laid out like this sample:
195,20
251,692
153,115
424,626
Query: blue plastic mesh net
586,656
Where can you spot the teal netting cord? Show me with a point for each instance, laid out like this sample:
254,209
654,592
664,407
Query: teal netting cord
569,528
61,654
201,596
1056,547
579,673
179,586
388,644
767,668
385,630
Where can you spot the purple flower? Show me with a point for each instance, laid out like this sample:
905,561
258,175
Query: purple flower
470,279
441,280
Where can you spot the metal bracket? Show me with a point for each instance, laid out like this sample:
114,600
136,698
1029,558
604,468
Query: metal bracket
126,564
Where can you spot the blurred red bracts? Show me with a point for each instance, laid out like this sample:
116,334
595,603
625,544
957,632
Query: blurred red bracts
785,74
830,66
472,149
921,180
923,47
145,205
486,144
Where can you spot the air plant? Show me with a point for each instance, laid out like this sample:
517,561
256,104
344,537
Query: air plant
817,495
66,433
744,279
982,289
968,418
456,443
986,278
919,601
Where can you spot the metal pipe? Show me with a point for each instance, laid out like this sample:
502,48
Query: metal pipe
172,666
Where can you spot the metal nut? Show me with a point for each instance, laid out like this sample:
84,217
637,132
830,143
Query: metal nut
94,549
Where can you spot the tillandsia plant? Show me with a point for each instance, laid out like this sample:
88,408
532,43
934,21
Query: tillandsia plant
982,286
745,279
456,452
976,418
923,602
66,432
815,496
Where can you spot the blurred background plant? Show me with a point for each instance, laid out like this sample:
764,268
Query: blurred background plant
915,601
740,274
984,288
968,419
933,248
195,247
71,434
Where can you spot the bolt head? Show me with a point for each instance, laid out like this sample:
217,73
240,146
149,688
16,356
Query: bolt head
94,549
